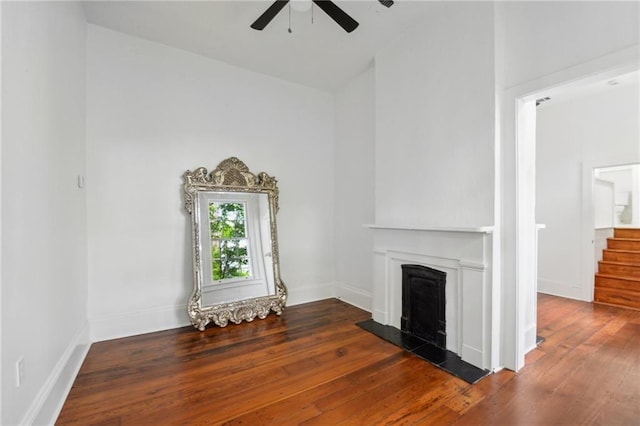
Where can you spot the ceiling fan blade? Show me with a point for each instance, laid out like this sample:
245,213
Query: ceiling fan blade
340,16
269,14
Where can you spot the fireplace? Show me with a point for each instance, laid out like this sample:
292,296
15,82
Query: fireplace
459,261
423,304
423,320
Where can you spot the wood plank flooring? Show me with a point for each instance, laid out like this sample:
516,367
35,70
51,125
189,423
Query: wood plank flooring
314,366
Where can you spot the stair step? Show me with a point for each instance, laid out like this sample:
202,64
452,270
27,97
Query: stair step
624,269
613,281
621,256
618,297
626,233
623,244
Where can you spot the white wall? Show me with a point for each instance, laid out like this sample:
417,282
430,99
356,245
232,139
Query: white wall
435,121
599,129
44,238
353,189
544,37
154,112
434,149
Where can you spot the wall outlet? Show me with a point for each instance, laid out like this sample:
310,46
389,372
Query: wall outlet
19,371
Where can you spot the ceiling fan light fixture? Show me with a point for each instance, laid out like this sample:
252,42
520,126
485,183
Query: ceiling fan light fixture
327,6
300,5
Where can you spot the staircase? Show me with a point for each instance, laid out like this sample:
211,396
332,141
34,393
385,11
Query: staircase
618,278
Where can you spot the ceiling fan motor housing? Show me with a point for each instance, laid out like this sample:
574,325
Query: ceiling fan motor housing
330,8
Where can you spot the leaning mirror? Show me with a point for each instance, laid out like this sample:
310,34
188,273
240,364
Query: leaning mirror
235,245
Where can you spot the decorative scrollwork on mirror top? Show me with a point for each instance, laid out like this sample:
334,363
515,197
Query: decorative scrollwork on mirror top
231,176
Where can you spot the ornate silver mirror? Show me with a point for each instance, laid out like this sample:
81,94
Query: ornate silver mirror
235,245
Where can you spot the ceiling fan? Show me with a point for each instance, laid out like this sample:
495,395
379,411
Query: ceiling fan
330,8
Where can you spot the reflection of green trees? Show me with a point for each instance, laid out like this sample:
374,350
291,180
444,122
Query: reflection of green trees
228,240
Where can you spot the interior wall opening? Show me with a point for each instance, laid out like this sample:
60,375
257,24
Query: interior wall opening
557,183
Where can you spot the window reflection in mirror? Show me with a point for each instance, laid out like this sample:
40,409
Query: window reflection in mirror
229,241
236,246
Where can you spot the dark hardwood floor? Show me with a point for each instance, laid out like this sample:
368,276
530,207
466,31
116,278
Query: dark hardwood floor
314,366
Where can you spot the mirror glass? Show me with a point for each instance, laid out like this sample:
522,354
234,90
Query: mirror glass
235,246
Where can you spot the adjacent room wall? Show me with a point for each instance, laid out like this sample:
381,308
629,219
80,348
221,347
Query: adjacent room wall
601,129
154,112
44,236
353,189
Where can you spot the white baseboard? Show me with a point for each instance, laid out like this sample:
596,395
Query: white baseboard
127,324
530,338
46,406
379,316
557,288
354,296
472,355
298,296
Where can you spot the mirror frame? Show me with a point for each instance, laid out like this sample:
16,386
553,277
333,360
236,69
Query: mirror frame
231,176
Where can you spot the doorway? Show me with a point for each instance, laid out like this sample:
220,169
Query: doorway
517,195
578,131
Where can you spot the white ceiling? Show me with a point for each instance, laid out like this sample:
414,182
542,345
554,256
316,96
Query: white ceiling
320,55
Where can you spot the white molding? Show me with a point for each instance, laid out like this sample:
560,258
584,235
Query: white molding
47,404
478,229
310,293
466,257
426,259
472,355
379,293
609,65
354,296
560,289
453,311
126,324
379,316
466,264
530,336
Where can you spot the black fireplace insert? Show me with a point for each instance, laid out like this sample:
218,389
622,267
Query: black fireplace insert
423,304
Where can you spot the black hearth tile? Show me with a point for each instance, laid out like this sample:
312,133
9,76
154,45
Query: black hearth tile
409,342
391,334
441,358
384,332
431,353
467,372
372,327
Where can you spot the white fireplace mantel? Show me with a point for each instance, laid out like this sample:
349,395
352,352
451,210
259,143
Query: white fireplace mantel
479,229
466,255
